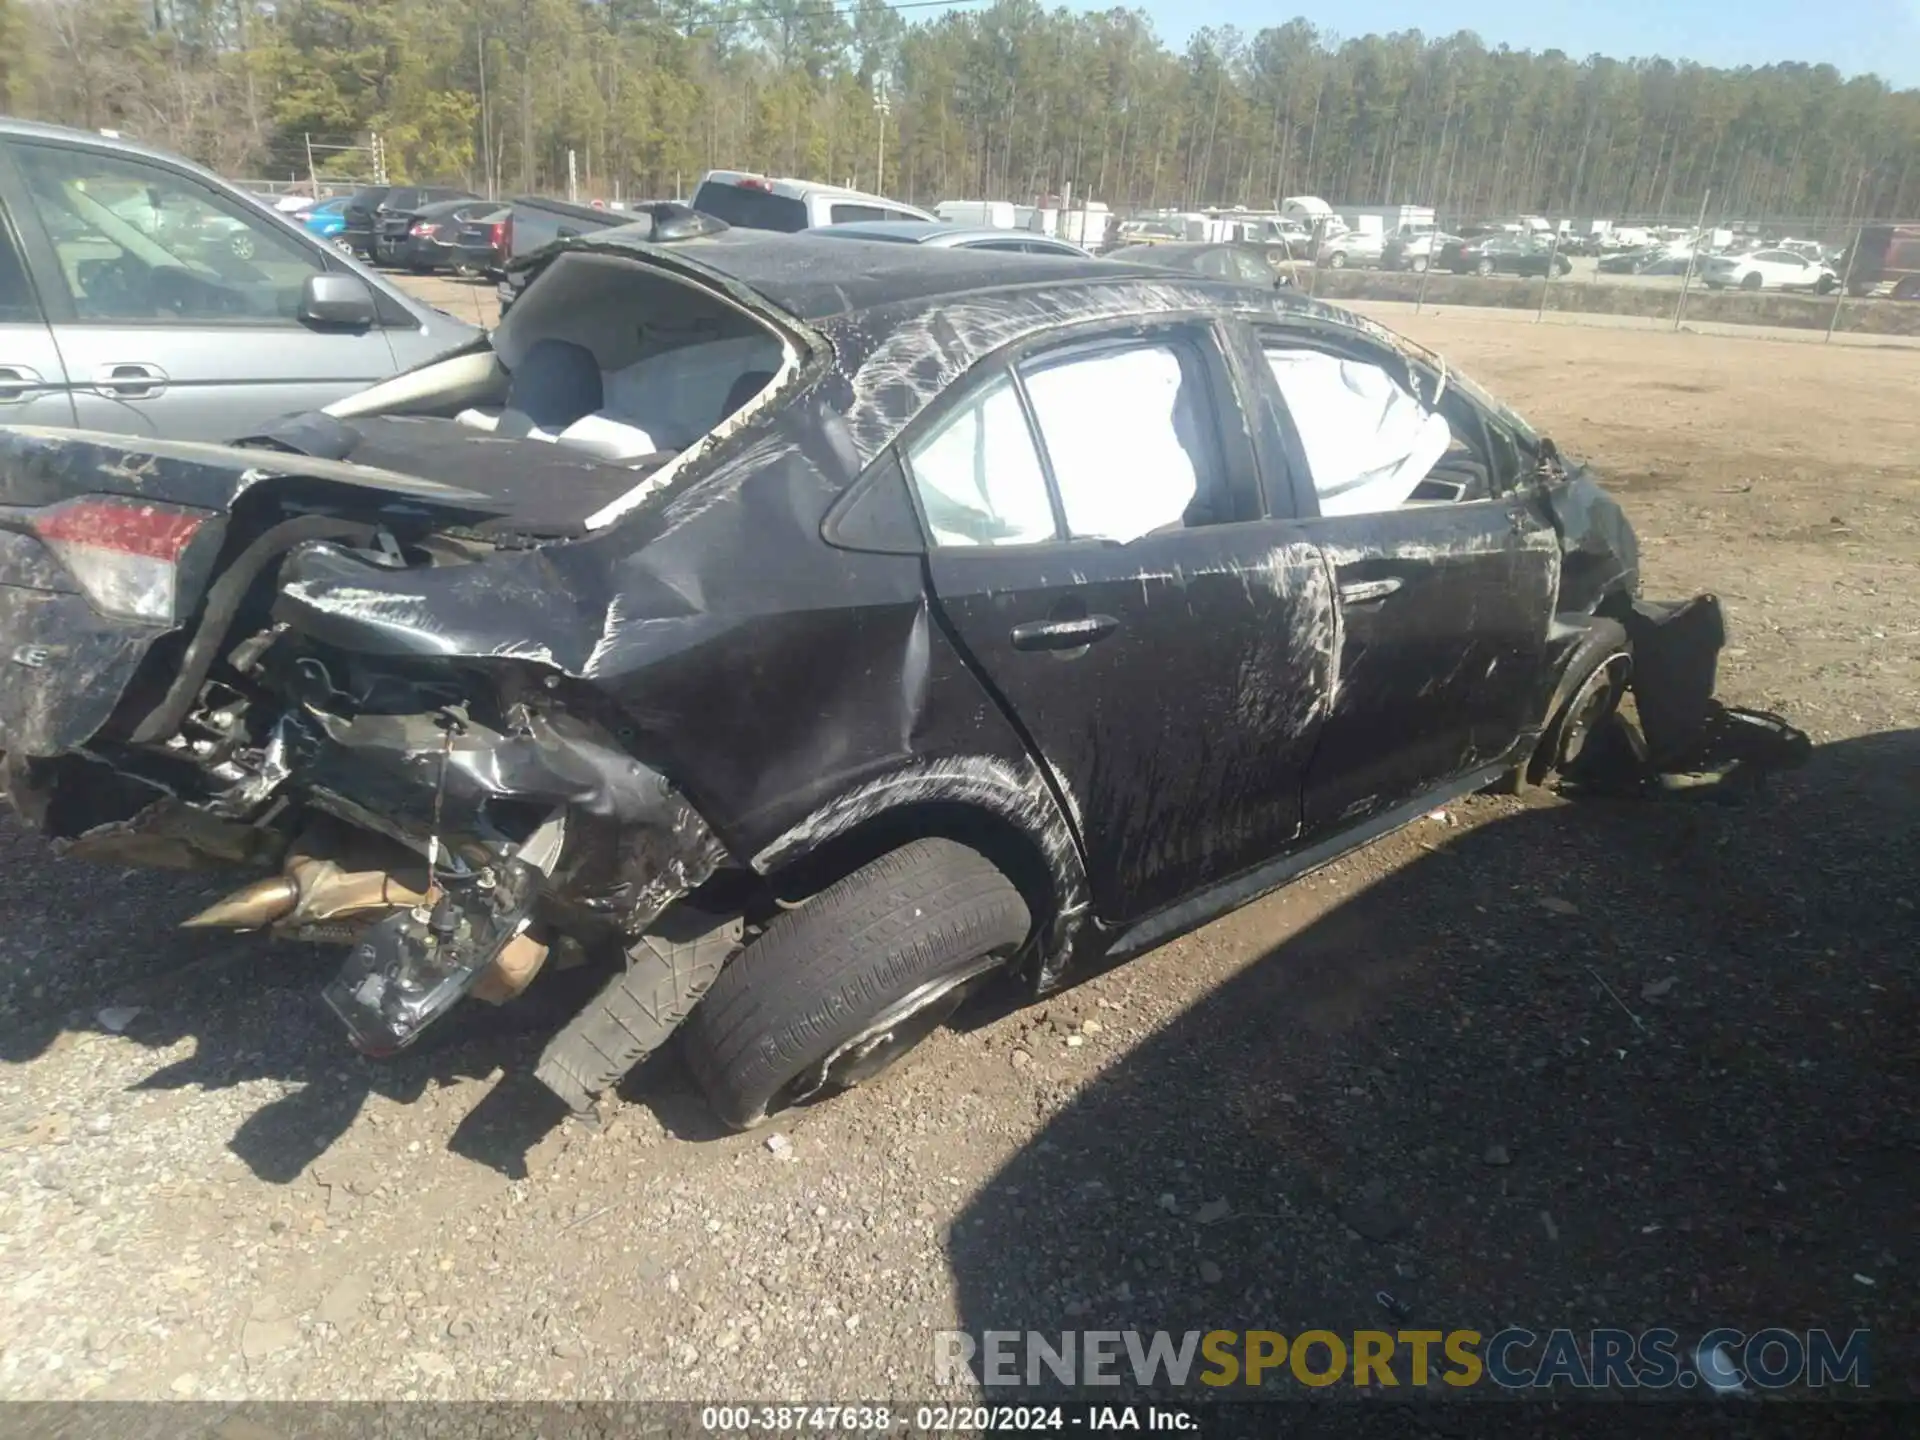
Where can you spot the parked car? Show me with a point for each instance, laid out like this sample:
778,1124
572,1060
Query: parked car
394,216
1501,254
1766,270
456,235
1670,262
481,243
1247,264
781,624
1357,248
369,206
211,315
1884,255
1628,262
758,202
1413,249
327,220
943,236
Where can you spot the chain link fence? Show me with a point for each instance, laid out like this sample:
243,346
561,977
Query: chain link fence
1862,279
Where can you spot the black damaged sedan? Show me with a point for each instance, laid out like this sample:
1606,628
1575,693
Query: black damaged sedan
807,632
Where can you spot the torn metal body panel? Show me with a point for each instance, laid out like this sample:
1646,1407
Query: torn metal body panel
641,624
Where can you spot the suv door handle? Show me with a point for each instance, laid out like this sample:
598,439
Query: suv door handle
130,380
1063,634
16,381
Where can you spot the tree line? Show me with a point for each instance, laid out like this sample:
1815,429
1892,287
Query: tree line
930,102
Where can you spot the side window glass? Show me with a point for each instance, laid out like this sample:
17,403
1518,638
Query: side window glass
1128,435
17,305
978,475
842,213
140,244
1371,445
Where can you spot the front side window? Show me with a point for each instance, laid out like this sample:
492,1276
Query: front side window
1128,436
142,244
978,475
1369,443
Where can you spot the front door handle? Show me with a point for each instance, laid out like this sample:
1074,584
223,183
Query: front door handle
1070,634
16,381
1368,592
130,380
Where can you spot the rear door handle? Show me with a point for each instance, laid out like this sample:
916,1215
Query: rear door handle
16,381
130,380
1063,634
1368,592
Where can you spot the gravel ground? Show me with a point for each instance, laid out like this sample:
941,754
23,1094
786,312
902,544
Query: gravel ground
1538,1062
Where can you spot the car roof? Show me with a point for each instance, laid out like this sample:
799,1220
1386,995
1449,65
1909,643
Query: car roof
1178,247
100,140
925,232
811,278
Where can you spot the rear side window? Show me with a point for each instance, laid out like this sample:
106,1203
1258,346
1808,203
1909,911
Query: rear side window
1129,438
978,476
751,209
844,212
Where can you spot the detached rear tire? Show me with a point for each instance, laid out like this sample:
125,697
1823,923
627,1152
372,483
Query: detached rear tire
834,992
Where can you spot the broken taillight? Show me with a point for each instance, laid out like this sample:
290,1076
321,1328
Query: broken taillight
125,553
422,229
498,237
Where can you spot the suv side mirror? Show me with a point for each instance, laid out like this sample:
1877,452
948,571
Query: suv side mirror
336,300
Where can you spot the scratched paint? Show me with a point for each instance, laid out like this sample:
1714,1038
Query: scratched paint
789,691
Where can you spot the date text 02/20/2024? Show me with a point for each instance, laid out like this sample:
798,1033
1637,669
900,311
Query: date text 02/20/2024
942,1419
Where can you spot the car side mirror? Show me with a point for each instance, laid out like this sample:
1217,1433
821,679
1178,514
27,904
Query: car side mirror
337,300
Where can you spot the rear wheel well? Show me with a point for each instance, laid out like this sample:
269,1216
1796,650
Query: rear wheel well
1017,855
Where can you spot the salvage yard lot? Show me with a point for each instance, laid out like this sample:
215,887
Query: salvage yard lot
1403,1075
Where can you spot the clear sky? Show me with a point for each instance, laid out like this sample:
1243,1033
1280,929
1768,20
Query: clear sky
1854,36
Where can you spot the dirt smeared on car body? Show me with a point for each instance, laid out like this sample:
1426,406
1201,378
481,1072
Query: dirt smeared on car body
636,633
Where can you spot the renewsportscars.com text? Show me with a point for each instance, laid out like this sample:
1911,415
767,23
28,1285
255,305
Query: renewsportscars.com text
1514,1358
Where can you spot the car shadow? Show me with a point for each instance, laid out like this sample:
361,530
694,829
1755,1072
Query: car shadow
1614,1062
251,1010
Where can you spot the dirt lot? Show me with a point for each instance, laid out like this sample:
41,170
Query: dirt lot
1404,1075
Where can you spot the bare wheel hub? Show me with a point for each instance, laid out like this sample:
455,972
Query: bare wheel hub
896,1030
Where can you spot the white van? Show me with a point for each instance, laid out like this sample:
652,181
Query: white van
978,214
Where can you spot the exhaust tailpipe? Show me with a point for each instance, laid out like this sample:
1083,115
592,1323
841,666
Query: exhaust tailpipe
258,905
310,891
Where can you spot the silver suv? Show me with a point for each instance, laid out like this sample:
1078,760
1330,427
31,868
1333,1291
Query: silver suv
140,293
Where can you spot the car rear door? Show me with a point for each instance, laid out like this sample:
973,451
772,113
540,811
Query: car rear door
1445,571
164,327
33,381
1098,553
